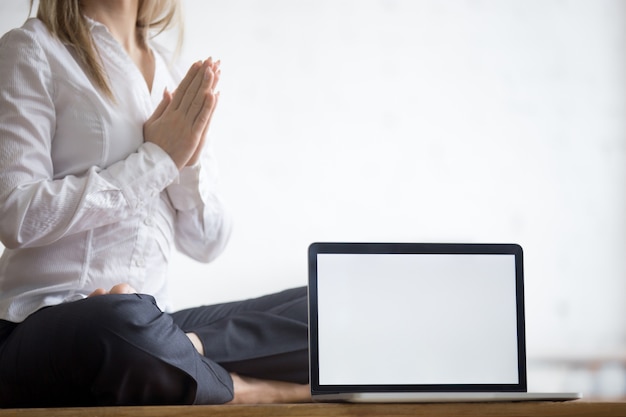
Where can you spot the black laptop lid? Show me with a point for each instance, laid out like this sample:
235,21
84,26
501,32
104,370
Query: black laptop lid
416,317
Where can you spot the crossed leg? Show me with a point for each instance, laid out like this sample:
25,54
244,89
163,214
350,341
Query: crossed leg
240,348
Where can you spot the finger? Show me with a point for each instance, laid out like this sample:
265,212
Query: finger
165,101
203,137
204,113
215,101
160,108
217,71
122,289
216,78
184,84
194,97
96,292
200,107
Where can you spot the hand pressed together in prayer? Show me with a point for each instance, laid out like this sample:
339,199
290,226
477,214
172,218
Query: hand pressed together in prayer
180,123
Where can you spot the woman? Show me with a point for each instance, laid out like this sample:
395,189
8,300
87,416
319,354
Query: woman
102,170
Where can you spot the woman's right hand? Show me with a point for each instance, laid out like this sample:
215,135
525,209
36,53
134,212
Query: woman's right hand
116,289
179,123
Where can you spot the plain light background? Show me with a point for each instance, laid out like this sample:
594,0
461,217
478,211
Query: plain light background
421,121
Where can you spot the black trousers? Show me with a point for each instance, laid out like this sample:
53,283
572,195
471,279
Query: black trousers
123,350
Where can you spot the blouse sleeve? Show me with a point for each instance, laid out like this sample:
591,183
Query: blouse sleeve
203,226
35,208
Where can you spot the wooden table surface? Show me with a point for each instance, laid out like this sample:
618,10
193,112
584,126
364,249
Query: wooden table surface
520,409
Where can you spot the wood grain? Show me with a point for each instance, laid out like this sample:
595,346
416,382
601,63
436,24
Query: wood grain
522,409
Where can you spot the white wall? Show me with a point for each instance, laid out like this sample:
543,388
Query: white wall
406,120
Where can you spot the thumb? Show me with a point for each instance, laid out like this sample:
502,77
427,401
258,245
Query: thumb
165,101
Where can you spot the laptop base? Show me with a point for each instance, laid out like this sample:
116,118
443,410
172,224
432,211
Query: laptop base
443,397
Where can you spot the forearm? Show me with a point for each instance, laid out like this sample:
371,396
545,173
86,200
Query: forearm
41,211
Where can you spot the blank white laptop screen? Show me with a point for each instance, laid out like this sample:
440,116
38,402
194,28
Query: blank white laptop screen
417,319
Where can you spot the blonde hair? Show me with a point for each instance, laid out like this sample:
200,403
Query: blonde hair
65,20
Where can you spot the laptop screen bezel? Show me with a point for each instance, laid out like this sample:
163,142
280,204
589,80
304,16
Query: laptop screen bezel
414,248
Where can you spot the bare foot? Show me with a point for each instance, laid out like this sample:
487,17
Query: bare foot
197,343
260,391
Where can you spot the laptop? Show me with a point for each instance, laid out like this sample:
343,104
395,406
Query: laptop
418,322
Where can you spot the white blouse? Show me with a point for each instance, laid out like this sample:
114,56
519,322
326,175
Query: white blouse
84,202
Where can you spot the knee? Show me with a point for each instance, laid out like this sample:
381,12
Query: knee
295,305
133,353
116,321
121,313
108,324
